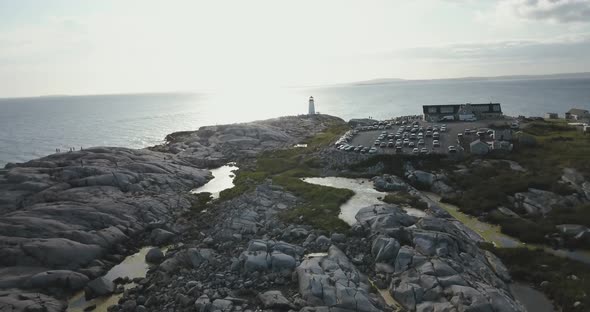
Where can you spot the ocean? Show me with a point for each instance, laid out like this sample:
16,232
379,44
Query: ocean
35,127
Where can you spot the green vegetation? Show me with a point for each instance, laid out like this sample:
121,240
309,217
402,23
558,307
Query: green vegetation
559,146
200,202
537,266
486,188
286,167
405,199
394,163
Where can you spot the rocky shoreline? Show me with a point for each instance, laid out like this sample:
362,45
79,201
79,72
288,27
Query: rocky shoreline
66,218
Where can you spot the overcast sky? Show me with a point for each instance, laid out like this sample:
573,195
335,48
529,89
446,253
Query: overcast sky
117,46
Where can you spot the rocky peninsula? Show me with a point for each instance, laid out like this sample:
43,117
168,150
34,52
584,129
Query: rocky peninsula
271,243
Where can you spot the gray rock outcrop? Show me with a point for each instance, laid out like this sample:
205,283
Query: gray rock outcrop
333,281
29,302
439,267
99,287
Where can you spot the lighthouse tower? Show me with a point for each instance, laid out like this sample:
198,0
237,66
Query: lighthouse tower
311,106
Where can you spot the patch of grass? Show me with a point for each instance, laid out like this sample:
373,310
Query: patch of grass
560,146
536,266
405,199
244,181
199,202
286,167
321,207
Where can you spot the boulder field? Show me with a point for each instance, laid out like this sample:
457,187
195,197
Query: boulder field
65,218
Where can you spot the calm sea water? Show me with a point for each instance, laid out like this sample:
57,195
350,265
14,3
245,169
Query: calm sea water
35,127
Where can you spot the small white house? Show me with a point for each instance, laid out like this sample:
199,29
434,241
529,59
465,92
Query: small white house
551,116
478,147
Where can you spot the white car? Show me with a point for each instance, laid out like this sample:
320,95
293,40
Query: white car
435,143
452,149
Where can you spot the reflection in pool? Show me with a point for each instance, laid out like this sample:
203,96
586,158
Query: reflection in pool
223,178
133,266
364,195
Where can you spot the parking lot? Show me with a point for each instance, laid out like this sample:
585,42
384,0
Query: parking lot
367,138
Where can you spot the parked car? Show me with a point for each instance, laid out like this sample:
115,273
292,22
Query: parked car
415,151
452,149
406,142
435,143
364,150
377,142
421,142
428,133
373,150
424,151
435,135
413,136
390,144
411,144
383,144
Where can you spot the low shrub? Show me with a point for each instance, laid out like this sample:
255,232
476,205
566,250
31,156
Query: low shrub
568,280
405,199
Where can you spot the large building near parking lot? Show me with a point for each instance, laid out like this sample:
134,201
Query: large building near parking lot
462,111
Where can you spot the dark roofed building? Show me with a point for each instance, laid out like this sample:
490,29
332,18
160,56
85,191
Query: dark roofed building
480,111
577,114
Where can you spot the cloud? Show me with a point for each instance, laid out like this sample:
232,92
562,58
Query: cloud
562,11
562,48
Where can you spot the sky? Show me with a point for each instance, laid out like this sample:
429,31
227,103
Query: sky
121,46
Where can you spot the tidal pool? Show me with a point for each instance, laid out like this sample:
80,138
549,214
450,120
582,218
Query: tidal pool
223,178
364,195
133,266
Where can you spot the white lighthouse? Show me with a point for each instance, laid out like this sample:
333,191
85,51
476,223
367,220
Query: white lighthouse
311,106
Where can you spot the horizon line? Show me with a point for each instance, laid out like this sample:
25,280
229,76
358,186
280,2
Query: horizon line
350,83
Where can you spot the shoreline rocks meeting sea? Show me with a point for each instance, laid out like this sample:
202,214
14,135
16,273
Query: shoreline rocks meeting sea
67,218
